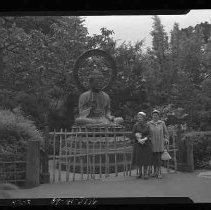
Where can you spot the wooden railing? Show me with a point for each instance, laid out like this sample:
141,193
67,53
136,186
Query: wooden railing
90,154
81,155
12,168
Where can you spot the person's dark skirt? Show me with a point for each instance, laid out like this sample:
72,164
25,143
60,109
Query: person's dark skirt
142,154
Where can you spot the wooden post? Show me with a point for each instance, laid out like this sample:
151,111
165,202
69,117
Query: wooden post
54,154
181,146
108,157
124,157
81,157
70,156
60,154
75,158
33,164
106,154
168,162
45,166
100,165
66,151
115,155
190,160
16,152
87,154
131,158
175,154
94,157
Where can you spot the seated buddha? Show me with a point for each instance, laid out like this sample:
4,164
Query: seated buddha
94,104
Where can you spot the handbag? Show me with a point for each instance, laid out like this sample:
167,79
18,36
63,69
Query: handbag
165,155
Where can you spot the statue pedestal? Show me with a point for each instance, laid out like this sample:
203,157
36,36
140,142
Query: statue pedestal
98,128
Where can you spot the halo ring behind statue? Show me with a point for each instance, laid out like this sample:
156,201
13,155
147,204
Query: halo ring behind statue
91,53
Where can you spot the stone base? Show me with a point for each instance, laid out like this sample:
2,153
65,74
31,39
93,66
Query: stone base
98,128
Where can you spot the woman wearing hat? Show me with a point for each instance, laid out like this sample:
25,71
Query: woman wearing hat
142,148
158,136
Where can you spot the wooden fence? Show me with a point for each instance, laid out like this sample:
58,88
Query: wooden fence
84,155
12,167
80,155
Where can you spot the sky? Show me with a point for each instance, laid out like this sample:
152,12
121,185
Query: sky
134,28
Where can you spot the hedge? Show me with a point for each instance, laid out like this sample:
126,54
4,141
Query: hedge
201,148
15,131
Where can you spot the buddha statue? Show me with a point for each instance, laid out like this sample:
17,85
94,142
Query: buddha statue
94,104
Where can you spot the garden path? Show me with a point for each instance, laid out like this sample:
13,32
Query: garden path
174,184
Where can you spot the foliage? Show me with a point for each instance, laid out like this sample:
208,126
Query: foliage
15,131
202,148
37,56
36,61
17,125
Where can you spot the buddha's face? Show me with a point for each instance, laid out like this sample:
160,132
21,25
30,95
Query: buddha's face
96,83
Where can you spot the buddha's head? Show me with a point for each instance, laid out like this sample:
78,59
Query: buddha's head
96,80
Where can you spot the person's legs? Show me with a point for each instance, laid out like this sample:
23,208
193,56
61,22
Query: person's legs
159,175
146,172
139,175
155,163
152,166
140,171
150,169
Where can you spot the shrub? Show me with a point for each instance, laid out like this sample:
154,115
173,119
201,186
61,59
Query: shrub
15,131
201,148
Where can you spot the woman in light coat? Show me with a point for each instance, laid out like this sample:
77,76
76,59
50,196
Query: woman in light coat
158,137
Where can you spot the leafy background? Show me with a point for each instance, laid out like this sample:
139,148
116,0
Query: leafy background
37,56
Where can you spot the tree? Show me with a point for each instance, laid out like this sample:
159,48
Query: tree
157,67
38,56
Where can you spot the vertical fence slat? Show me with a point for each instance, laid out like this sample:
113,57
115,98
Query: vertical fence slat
66,152
90,163
60,154
130,161
91,155
100,164
108,159
75,153
124,157
106,154
54,154
115,155
126,161
70,157
16,174
81,158
94,157
175,154
90,158
168,162
87,154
